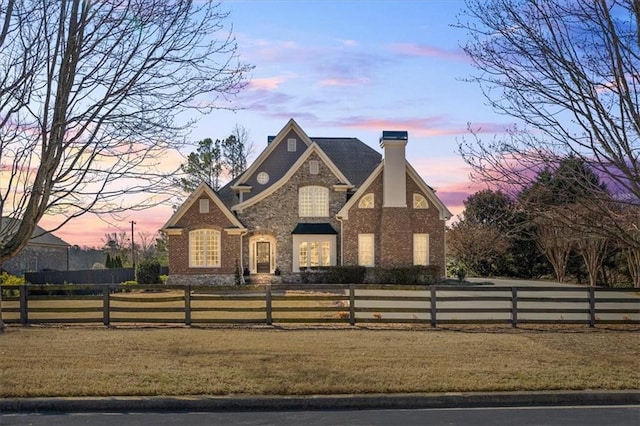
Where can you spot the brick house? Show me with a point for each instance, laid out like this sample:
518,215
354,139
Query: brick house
308,202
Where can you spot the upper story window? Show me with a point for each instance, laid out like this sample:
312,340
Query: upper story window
366,202
263,178
204,205
291,145
313,201
314,167
204,248
419,202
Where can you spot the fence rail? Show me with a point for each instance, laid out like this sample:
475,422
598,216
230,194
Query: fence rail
351,304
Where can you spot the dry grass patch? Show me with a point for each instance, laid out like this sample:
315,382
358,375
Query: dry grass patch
191,361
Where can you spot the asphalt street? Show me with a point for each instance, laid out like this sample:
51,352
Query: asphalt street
522,416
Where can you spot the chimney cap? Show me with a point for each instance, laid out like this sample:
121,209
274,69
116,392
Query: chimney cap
394,135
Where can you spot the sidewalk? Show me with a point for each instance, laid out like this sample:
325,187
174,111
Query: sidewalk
318,402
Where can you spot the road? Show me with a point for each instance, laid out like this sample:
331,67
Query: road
522,416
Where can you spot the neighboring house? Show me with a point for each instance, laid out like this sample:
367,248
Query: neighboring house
310,202
44,251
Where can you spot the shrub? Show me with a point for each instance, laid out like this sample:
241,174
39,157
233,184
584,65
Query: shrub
8,280
148,271
414,274
333,274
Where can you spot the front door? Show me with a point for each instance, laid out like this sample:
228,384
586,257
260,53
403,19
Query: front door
263,257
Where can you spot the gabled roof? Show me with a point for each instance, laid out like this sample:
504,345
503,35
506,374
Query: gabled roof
445,214
313,148
352,156
203,188
290,126
428,191
39,237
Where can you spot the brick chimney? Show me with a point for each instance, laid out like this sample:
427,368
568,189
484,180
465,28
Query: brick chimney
394,174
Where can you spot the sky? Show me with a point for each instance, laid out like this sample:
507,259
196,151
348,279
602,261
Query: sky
345,69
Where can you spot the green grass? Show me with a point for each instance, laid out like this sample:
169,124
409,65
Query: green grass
52,361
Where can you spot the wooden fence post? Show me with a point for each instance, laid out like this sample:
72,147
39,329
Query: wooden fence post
105,305
24,306
268,304
514,307
187,304
352,304
592,307
432,302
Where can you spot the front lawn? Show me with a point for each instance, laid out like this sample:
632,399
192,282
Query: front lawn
52,361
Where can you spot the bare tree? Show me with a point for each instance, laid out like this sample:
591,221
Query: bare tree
477,246
555,240
95,94
593,249
237,148
569,71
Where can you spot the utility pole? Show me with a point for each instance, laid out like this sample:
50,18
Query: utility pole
133,248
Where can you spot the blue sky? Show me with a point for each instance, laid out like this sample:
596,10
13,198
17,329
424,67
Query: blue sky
352,69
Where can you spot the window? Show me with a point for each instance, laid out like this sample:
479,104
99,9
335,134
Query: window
263,178
366,249
204,205
314,253
313,201
313,250
204,248
291,145
366,202
314,167
419,202
420,249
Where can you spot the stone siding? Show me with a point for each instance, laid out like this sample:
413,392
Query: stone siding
277,215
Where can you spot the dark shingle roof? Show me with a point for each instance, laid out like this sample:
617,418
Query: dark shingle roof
314,229
39,236
353,157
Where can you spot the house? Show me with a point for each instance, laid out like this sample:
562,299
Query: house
308,202
44,251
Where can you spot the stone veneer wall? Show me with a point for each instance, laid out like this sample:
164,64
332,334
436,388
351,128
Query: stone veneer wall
277,215
192,279
394,228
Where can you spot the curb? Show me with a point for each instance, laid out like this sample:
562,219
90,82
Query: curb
318,402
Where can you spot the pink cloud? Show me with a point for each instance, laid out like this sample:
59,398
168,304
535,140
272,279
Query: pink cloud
342,82
269,83
421,50
423,126
89,230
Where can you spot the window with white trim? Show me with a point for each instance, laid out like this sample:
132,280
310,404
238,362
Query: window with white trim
366,202
204,248
313,250
420,249
314,167
204,205
419,202
366,244
313,201
291,145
